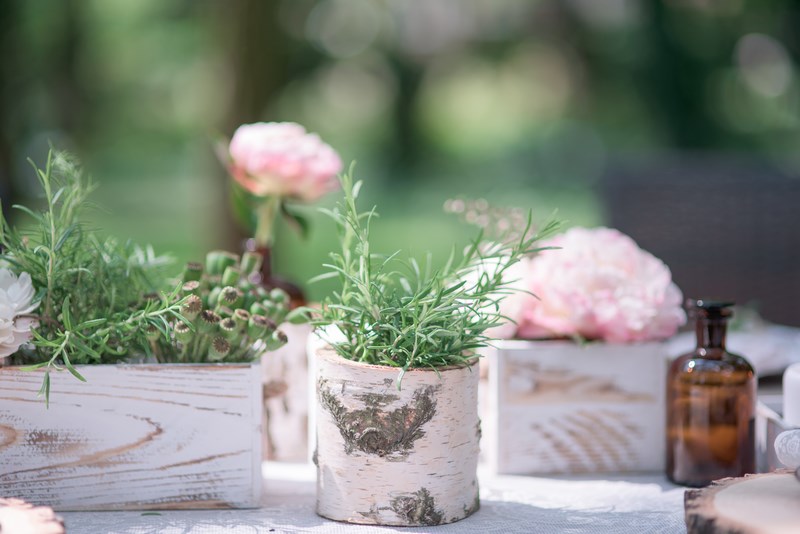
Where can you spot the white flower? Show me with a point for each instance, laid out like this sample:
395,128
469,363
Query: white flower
16,298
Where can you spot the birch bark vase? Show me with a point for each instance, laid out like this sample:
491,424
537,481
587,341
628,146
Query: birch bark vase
404,457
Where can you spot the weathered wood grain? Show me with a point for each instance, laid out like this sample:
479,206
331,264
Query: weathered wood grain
558,407
755,504
396,457
133,437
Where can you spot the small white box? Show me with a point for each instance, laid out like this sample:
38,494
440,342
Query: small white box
560,407
133,437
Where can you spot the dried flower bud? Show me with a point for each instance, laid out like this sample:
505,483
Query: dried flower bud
192,271
230,277
219,260
276,340
251,262
192,307
191,288
220,347
183,332
208,321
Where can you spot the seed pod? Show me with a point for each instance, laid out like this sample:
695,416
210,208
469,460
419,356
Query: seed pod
191,288
220,347
279,296
258,308
219,260
276,340
152,333
224,312
242,318
230,277
229,330
192,271
259,327
183,332
251,262
208,322
192,307
230,297
213,296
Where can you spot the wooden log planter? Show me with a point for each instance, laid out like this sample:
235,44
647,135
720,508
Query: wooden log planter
390,456
559,407
133,437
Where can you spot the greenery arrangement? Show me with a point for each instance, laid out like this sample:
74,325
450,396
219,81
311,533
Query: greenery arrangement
406,315
99,300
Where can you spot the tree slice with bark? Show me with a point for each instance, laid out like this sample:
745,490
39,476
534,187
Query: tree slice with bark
755,504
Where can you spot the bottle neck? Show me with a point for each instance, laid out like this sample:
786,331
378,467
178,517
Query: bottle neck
711,333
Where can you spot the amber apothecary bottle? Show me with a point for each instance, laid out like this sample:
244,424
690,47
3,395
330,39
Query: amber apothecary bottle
711,399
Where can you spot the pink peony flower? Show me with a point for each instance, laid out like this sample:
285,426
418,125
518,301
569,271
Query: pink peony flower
16,297
281,159
600,285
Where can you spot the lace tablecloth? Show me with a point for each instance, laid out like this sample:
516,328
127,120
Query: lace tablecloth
610,504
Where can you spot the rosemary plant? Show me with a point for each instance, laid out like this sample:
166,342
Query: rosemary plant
95,295
406,315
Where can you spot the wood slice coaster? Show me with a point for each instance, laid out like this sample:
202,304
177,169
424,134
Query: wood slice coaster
755,504
20,517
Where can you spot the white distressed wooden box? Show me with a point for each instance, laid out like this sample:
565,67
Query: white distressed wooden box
133,437
559,407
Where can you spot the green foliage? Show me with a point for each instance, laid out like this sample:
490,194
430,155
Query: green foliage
97,297
405,315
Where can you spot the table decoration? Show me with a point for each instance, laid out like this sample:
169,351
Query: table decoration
578,383
160,406
397,422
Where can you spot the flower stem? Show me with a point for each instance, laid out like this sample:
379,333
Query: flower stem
265,217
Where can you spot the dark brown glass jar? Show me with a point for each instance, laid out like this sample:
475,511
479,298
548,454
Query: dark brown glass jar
711,400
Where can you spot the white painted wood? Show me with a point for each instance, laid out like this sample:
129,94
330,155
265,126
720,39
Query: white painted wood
286,397
133,437
370,477
558,407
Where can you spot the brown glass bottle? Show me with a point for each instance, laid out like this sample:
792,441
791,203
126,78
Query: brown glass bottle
711,398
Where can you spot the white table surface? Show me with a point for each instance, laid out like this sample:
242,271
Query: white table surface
640,504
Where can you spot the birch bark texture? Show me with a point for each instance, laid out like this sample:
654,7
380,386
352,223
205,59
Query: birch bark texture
558,407
389,456
133,437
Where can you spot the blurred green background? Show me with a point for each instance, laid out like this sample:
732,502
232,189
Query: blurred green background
628,113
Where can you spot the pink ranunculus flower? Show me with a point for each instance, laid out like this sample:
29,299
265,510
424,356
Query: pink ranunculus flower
282,159
600,285
16,300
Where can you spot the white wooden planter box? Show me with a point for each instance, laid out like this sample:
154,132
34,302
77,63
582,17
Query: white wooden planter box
559,407
133,437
